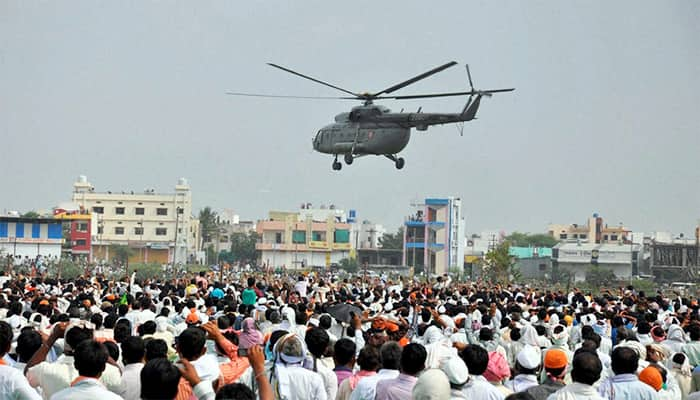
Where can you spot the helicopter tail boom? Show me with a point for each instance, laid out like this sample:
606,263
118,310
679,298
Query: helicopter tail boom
470,109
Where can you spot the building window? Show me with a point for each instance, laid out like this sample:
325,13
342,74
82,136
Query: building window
583,236
81,227
613,237
138,230
278,237
605,237
80,242
98,210
139,210
299,237
100,230
119,230
162,211
119,210
543,267
161,231
317,236
563,236
575,236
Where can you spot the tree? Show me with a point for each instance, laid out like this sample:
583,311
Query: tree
243,246
122,253
392,241
31,214
499,265
208,224
519,239
349,265
600,277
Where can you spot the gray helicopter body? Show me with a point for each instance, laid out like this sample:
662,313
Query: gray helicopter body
372,129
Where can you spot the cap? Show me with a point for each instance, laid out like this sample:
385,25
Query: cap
529,358
497,368
432,384
555,359
652,377
192,318
456,371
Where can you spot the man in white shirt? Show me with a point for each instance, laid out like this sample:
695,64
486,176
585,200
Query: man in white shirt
478,388
53,377
301,286
13,385
133,352
90,361
390,354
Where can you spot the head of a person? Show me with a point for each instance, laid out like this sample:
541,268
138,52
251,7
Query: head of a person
528,361
485,335
368,359
520,396
77,334
431,385
476,358
90,358
317,341
390,355
344,352
122,330
651,375
96,320
586,367
155,348
28,343
555,362
133,350
624,360
251,282
325,322
694,332
159,380
190,343
5,337
238,391
413,359
112,349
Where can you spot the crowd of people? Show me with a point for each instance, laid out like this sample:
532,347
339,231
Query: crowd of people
319,337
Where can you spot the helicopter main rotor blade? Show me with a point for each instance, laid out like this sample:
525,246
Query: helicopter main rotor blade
415,79
312,79
424,96
276,96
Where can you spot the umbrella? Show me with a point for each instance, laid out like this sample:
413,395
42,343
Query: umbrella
342,311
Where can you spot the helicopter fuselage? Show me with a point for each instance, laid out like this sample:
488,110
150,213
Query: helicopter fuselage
361,138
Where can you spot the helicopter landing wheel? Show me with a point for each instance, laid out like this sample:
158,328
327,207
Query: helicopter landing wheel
400,162
337,165
349,159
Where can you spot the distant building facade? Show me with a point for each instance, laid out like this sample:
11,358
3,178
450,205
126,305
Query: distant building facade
594,231
26,240
434,236
304,239
578,258
159,227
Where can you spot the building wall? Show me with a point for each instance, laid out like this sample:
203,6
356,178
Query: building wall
142,219
26,238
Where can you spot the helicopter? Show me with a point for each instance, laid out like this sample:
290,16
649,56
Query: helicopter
372,129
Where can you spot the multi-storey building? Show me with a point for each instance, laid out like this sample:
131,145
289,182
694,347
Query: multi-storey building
303,239
159,227
26,240
434,236
594,231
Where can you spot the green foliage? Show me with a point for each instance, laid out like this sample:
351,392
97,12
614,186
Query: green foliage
243,246
392,241
66,268
207,224
121,252
31,214
348,264
499,265
599,277
210,254
519,239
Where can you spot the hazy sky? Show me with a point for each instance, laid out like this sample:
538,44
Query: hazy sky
132,94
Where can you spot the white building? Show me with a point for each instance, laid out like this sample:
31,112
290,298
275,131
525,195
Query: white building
159,226
26,240
621,259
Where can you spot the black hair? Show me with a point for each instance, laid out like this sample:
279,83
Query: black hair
476,358
520,396
191,342
28,343
624,360
5,337
678,358
368,359
485,334
76,334
344,351
586,368
694,331
413,358
515,335
236,391
275,336
110,320
90,358
147,328
390,355
325,322
155,348
96,320
159,380
133,350
251,282
122,330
